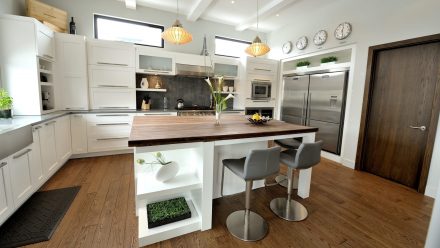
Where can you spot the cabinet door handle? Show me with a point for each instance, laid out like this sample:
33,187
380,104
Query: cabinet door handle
261,69
111,115
47,56
112,86
113,124
75,108
114,107
50,123
105,63
36,128
103,139
157,71
22,154
157,114
3,164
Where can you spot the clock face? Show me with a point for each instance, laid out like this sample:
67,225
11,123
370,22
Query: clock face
287,47
320,37
302,43
343,31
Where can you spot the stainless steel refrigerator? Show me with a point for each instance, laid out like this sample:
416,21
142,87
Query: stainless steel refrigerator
317,100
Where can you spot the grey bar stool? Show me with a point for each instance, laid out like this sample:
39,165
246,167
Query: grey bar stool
292,143
307,155
259,164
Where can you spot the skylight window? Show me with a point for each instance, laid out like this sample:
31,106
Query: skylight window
230,47
117,29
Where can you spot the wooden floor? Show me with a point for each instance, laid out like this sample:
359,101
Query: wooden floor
347,208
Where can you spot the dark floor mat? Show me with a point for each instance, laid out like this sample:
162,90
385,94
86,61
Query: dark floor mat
37,219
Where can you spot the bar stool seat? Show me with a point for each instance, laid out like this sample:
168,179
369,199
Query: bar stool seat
259,164
290,144
307,156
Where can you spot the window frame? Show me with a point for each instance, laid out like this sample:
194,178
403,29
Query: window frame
229,39
112,18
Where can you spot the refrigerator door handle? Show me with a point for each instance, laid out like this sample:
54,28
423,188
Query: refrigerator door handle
309,108
303,110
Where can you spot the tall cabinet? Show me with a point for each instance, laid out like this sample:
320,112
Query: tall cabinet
27,64
72,88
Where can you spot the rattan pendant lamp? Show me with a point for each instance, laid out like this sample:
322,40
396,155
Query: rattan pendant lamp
176,34
257,48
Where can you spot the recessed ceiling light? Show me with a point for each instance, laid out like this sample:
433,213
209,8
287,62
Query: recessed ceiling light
277,14
232,1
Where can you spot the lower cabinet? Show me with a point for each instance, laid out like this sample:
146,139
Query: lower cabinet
6,202
48,148
37,173
63,139
78,129
22,185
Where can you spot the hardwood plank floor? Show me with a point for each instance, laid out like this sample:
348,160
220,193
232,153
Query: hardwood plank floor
347,208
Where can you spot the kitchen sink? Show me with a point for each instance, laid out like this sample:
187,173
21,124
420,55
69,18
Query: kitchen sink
14,140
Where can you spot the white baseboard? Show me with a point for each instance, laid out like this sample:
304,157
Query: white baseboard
331,156
430,191
348,163
98,154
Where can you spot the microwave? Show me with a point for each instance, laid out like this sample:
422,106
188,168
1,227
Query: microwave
261,90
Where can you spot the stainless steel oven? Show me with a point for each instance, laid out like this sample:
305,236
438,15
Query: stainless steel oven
261,90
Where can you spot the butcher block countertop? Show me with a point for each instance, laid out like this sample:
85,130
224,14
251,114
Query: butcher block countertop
164,130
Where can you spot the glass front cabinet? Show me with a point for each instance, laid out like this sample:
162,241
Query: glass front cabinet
151,62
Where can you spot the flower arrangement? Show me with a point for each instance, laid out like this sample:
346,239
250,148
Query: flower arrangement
218,98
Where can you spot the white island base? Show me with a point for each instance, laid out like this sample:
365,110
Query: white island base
198,180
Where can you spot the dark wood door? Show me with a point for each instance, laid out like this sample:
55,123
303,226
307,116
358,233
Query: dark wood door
401,102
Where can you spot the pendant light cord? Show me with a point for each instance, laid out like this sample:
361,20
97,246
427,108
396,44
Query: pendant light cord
177,13
258,7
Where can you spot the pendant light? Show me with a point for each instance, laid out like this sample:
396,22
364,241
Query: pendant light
176,33
257,48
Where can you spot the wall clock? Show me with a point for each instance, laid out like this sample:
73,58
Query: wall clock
343,31
320,37
302,43
287,47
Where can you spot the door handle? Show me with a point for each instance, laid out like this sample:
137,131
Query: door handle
310,108
421,128
303,112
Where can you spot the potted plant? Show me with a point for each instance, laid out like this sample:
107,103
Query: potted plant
168,169
329,60
5,104
168,211
302,64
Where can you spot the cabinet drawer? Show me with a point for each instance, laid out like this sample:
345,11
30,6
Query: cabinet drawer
104,98
261,68
111,53
105,118
105,76
107,144
108,130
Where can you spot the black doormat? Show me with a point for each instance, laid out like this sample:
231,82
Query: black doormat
37,219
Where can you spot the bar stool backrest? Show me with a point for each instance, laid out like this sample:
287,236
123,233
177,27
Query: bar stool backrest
308,155
261,163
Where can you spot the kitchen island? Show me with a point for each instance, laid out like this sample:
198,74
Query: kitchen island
199,146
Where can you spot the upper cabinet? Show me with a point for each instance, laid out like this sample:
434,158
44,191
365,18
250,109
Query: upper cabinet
45,42
226,67
262,66
110,53
72,87
152,61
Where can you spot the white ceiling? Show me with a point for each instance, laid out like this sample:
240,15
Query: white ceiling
274,14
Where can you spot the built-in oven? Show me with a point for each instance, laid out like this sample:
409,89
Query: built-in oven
261,89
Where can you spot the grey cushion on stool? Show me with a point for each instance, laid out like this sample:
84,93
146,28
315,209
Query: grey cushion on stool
307,155
259,164
288,143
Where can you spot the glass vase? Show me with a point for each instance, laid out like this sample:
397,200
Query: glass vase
218,113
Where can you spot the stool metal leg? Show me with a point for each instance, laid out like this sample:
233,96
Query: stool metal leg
286,208
223,180
245,224
282,181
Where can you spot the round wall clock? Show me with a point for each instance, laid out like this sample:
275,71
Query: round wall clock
287,47
320,37
302,43
343,31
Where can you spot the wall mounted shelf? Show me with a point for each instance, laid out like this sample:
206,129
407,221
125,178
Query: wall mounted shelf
151,90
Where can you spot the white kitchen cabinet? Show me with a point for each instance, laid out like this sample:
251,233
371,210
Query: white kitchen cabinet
72,87
262,66
45,42
37,173
48,148
111,77
111,98
21,178
78,128
63,139
6,201
152,61
110,53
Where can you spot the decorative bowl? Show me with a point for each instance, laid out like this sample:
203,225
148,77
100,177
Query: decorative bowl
263,120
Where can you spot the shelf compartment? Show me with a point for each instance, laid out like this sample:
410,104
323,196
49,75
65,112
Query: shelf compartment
318,68
151,90
168,231
148,187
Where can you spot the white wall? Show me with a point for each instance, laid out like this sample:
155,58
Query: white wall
83,10
15,7
374,22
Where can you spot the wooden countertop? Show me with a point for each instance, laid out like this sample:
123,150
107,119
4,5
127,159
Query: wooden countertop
163,130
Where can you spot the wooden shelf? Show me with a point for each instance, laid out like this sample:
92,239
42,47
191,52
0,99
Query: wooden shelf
46,71
225,92
181,183
151,90
46,83
150,236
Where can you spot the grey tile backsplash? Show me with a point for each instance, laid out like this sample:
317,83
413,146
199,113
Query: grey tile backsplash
194,91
